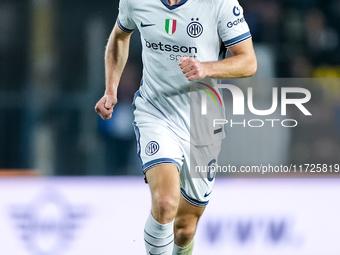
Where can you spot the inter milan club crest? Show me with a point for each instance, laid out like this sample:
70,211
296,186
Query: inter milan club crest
170,26
194,29
151,148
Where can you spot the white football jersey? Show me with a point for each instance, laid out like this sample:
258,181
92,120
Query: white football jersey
192,28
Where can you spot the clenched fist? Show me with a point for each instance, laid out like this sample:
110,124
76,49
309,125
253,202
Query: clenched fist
105,105
192,68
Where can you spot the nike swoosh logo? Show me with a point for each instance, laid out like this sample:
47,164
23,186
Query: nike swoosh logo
205,195
146,25
156,254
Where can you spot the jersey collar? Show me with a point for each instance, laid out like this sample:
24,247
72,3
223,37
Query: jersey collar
165,2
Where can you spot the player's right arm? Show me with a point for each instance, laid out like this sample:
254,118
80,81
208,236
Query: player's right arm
116,55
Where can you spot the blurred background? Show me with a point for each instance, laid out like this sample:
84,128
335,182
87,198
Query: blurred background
52,74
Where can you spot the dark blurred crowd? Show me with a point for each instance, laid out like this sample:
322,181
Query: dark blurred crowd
306,37
304,34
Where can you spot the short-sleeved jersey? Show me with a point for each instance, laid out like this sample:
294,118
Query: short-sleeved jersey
192,28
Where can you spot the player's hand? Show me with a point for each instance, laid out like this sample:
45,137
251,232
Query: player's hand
105,105
192,68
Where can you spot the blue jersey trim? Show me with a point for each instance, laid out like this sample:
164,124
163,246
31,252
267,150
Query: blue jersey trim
126,30
138,140
237,39
192,200
137,94
171,7
159,161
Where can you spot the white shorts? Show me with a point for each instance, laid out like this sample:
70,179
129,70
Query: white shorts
158,144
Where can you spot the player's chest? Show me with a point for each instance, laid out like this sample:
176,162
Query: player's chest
186,24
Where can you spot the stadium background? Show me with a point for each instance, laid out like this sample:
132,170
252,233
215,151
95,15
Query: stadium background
52,74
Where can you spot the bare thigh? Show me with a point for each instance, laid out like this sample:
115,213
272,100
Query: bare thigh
164,185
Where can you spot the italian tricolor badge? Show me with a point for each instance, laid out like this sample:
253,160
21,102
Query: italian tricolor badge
170,26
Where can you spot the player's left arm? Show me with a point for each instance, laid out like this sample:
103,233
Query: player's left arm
243,63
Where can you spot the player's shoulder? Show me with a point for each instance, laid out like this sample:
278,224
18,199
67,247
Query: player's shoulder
212,5
214,2
218,4
131,3
210,2
221,8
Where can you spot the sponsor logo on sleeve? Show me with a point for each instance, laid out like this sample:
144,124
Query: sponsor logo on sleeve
235,22
236,11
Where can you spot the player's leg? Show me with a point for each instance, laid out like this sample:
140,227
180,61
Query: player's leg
165,191
196,188
185,227
161,155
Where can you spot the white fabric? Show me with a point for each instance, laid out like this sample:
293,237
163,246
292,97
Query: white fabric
158,238
159,144
201,28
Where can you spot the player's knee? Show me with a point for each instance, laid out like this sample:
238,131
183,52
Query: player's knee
165,207
184,233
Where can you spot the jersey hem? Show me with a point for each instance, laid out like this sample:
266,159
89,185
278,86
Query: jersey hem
193,201
126,30
160,161
237,40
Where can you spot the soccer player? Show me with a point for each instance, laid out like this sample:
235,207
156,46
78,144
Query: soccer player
182,42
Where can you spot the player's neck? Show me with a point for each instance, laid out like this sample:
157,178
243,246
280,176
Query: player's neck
173,2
